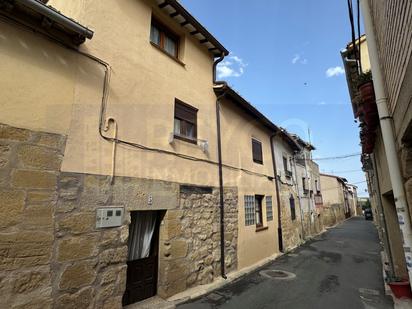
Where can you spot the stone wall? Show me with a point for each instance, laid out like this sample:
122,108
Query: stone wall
291,229
29,170
52,255
190,239
332,214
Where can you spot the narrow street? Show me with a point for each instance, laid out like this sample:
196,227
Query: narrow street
339,269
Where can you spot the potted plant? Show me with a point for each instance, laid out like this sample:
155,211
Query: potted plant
400,288
367,94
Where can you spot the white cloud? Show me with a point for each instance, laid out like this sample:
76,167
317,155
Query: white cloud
322,103
233,66
298,59
335,71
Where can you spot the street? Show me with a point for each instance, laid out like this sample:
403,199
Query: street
338,269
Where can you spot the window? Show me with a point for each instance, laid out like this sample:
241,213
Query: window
185,125
317,186
292,208
304,185
269,209
288,173
249,210
257,151
258,209
164,39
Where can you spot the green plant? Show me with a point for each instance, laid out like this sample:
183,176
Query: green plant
364,78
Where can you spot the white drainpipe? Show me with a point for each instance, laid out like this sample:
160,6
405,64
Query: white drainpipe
388,139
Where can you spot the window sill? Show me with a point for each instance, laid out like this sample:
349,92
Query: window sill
261,228
170,56
186,139
258,162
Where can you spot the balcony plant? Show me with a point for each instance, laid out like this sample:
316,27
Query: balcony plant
367,94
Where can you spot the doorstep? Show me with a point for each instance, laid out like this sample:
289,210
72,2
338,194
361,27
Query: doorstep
150,303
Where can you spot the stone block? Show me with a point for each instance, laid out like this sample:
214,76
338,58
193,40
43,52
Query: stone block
38,216
35,197
34,179
78,275
113,303
110,238
35,303
11,207
15,134
106,292
113,256
25,248
83,299
178,249
77,248
109,275
50,140
30,281
77,223
31,156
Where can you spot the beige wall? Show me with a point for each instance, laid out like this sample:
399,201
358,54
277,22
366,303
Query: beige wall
238,128
331,190
37,81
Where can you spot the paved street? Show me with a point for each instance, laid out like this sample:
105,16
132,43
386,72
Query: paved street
339,269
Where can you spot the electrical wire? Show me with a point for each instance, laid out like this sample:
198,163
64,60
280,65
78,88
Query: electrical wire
359,37
338,157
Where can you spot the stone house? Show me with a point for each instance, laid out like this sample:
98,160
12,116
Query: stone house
309,185
336,205
135,173
285,149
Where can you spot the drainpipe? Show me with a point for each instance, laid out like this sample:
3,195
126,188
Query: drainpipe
382,218
219,154
280,237
386,124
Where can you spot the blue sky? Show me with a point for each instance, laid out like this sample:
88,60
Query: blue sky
281,53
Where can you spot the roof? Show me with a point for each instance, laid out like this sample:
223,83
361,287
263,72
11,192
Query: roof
176,11
288,138
245,105
341,179
45,19
303,143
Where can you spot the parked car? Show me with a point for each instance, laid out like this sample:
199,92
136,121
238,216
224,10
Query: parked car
368,214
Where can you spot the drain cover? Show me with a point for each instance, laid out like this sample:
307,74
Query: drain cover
277,274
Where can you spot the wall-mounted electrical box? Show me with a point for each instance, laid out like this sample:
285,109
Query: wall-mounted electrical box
109,217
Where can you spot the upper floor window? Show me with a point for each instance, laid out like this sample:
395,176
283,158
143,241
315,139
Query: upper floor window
288,172
185,123
258,209
257,151
292,208
164,38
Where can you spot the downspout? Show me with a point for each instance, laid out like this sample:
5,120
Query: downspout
382,218
386,124
280,236
219,155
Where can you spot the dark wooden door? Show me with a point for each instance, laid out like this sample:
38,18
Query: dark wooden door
141,280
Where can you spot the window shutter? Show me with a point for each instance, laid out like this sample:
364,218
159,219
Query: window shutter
185,112
269,209
257,151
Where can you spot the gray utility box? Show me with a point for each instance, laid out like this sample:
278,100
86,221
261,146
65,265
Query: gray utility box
109,217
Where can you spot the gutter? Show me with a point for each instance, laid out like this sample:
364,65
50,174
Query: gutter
220,170
280,236
57,17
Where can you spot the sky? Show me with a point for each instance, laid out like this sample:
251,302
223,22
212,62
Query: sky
285,60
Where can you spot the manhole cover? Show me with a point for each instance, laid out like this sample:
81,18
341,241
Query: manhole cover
277,274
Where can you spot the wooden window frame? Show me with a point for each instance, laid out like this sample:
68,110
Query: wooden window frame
259,210
163,32
256,159
184,120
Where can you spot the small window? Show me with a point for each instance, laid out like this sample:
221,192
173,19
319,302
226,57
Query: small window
269,209
292,208
304,186
185,123
288,173
249,210
257,151
258,209
164,38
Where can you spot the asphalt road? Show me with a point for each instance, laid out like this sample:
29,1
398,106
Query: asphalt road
338,269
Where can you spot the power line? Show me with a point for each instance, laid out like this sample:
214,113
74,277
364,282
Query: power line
339,157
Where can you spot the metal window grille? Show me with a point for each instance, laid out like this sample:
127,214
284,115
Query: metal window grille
269,210
250,215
